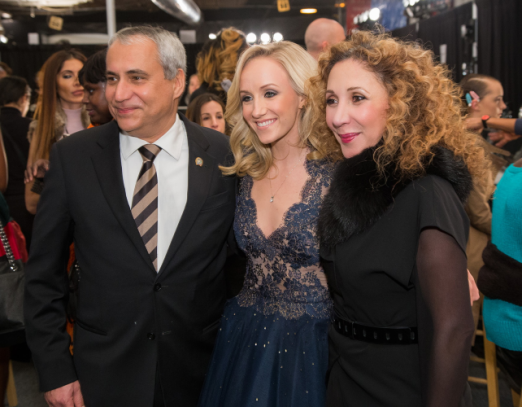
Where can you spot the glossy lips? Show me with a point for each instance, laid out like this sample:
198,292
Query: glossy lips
348,137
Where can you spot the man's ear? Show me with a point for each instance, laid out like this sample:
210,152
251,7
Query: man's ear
179,83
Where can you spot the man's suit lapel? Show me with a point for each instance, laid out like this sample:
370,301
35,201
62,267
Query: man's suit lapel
107,163
199,179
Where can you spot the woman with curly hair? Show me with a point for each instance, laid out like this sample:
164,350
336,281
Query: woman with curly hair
272,348
216,63
393,228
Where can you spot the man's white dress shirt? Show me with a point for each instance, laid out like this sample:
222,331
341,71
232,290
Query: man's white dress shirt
172,169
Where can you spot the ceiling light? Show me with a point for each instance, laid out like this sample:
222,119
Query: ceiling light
308,10
375,14
251,38
265,38
277,37
356,20
412,2
3,39
406,3
6,15
364,16
342,5
212,36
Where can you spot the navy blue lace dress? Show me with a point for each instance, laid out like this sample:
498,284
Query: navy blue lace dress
272,348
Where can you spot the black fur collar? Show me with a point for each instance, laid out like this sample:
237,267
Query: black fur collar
358,196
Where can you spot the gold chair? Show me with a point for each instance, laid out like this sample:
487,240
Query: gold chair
491,380
12,398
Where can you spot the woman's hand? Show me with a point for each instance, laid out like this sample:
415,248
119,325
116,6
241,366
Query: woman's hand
36,170
473,123
473,289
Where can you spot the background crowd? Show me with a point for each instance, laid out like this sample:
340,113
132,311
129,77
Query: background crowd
71,98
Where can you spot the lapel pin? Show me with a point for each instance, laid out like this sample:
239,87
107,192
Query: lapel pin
199,162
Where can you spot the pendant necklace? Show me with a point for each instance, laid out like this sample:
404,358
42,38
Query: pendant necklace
287,175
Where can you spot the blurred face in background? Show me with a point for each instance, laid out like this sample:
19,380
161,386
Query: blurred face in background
270,105
69,89
356,105
212,116
491,104
193,84
95,102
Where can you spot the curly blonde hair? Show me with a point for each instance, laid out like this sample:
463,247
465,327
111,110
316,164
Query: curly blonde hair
424,105
218,58
251,156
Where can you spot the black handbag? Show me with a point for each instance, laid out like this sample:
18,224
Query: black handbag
12,285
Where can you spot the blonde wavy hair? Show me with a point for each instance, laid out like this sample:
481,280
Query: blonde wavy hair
424,105
218,58
251,156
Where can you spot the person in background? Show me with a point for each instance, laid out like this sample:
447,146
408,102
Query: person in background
94,81
60,113
208,110
482,95
193,85
392,228
5,70
500,280
15,95
322,34
216,63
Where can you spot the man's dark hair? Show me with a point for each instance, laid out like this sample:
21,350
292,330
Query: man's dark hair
94,69
12,88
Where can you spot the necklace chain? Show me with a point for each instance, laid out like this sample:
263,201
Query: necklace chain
273,194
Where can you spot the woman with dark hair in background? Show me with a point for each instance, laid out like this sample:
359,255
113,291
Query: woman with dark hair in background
94,80
216,63
392,228
208,110
60,112
15,96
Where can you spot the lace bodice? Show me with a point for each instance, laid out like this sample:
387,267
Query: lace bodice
283,273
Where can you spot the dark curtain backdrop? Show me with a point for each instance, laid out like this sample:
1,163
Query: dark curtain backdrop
500,46
499,42
443,29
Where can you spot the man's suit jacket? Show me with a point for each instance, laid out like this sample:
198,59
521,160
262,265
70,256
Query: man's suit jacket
130,318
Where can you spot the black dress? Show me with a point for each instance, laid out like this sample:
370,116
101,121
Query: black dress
14,132
394,255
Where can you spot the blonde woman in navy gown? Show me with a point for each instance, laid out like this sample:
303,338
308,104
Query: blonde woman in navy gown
272,348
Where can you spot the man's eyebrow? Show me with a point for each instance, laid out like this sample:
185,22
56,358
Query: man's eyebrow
136,71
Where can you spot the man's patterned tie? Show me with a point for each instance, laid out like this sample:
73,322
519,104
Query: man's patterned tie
145,201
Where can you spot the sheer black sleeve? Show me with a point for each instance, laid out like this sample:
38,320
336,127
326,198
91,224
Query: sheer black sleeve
445,321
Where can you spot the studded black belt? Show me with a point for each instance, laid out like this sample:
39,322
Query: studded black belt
395,336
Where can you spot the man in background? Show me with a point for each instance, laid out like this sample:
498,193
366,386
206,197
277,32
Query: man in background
93,78
321,34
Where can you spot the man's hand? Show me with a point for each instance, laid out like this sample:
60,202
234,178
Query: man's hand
69,395
500,138
473,289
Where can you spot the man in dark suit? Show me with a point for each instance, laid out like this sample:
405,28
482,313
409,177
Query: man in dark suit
149,212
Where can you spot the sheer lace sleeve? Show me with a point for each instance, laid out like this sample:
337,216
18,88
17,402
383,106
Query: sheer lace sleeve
444,319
